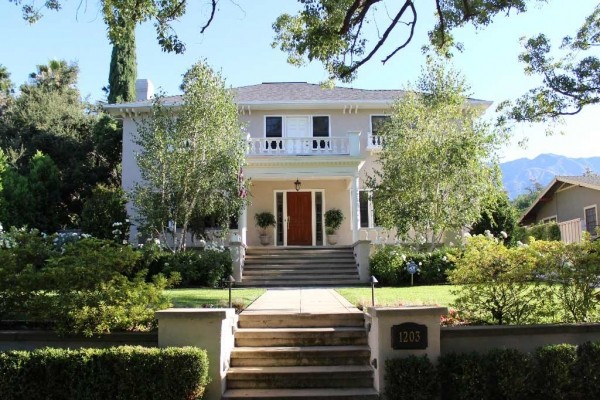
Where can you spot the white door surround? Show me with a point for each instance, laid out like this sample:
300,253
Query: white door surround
313,215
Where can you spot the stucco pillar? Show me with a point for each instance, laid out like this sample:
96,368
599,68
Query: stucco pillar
355,208
211,329
389,339
238,256
362,251
243,225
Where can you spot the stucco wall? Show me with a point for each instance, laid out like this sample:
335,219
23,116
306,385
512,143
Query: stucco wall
569,204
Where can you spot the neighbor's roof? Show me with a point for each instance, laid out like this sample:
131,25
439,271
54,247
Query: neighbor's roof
295,94
559,182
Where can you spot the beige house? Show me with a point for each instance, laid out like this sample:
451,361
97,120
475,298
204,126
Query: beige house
310,149
570,201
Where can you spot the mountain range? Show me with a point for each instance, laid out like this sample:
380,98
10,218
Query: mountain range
518,175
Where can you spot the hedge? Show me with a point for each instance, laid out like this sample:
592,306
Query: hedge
122,373
551,372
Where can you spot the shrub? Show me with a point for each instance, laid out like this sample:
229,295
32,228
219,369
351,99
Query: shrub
104,215
499,284
207,267
549,231
388,264
551,377
587,371
333,220
97,374
90,286
410,378
462,376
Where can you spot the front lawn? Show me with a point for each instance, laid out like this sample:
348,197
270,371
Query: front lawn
188,298
396,296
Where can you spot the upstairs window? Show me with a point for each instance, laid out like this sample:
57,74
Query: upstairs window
273,126
320,126
377,122
591,219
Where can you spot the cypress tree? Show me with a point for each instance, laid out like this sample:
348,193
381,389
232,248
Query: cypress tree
123,69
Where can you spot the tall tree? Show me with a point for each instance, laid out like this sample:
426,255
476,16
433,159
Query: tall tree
191,158
6,88
123,65
445,155
569,83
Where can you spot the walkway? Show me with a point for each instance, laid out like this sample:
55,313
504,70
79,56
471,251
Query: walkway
301,301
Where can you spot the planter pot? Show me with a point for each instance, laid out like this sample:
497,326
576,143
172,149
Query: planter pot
265,239
332,239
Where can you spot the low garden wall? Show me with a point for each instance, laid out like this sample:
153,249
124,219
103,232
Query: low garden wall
526,338
31,340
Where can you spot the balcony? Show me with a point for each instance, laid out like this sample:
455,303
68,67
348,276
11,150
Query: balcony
348,145
374,142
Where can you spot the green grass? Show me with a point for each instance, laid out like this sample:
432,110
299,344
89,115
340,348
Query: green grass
188,298
395,296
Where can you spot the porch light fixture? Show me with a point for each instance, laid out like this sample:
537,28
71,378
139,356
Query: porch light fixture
297,184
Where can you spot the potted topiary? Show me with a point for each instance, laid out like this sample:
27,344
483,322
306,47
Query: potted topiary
264,220
333,220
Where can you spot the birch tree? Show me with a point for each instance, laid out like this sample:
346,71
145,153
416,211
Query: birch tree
438,165
191,159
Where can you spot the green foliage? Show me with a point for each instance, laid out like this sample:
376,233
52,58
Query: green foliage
89,285
104,215
498,217
125,372
587,369
551,376
333,220
548,231
191,158
570,82
410,378
336,32
523,201
264,219
48,116
447,159
462,376
499,283
388,265
123,67
207,268
33,199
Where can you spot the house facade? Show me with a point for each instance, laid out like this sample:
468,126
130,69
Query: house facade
570,201
310,149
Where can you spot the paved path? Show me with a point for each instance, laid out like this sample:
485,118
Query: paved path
295,301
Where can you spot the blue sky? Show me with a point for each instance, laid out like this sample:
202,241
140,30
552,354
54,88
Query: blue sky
238,44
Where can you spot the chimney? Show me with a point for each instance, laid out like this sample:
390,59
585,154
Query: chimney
144,89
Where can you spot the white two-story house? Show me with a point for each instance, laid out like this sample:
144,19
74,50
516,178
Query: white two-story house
310,149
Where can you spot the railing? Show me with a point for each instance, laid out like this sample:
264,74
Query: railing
374,142
335,145
570,231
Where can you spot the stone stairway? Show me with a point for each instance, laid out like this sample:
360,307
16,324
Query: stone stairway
300,266
300,357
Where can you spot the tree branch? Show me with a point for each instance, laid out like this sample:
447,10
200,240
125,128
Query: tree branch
212,15
391,27
412,32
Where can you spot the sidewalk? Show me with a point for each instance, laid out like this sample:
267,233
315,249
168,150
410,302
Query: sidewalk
301,301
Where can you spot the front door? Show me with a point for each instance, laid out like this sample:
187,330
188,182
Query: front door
299,223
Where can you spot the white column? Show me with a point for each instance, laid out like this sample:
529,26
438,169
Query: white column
355,207
243,225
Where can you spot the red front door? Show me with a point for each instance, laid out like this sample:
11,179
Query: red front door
299,213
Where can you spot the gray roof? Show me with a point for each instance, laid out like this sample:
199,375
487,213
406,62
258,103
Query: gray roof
302,91
590,181
295,92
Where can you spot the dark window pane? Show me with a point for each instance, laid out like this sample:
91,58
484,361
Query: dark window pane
319,217
590,220
320,126
274,126
364,209
377,122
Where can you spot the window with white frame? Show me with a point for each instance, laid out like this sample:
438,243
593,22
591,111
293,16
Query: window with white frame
591,218
377,123
367,211
275,125
547,220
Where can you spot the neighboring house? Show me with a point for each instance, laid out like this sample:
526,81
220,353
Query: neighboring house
310,149
570,201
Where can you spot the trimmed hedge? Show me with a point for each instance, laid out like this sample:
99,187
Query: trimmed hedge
551,372
388,264
123,373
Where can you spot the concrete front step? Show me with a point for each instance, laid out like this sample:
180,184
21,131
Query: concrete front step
294,249
299,356
300,271
271,320
305,277
346,376
264,337
259,260
294,284
300,394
